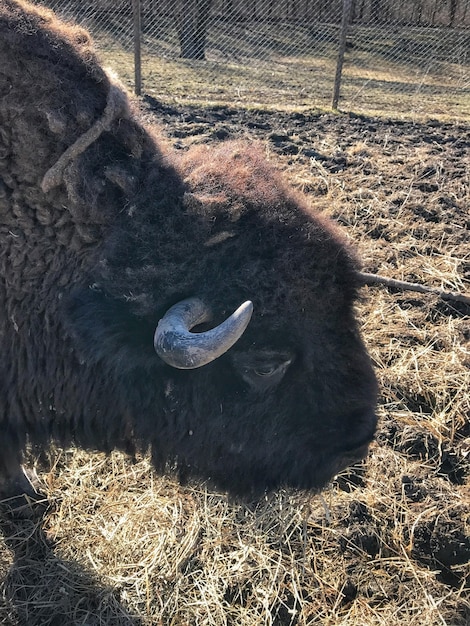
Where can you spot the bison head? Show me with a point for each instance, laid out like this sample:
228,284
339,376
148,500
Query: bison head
284,398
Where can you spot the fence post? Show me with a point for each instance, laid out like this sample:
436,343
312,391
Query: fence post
347,4
137,51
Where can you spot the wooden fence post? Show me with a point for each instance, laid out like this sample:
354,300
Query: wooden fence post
137,52
347,4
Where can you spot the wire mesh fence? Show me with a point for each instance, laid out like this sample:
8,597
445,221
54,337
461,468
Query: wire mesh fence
401,57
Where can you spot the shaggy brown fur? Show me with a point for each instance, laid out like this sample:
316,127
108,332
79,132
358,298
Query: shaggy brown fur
52,90
100,233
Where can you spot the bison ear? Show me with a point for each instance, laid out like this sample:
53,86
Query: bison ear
104,328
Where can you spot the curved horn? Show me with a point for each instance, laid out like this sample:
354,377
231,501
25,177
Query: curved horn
177,346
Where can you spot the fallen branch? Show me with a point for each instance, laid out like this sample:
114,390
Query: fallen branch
375,279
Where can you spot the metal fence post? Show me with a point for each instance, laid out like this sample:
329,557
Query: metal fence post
137,50
347,4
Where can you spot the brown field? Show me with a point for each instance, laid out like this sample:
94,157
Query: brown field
388,544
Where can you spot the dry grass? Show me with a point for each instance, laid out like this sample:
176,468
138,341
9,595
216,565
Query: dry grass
129,548
372,83
388,543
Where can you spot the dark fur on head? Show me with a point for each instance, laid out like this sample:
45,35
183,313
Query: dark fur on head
89,267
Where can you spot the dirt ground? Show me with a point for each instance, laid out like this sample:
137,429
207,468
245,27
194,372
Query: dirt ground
389,543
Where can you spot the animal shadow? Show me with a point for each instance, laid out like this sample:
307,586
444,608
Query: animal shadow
37,588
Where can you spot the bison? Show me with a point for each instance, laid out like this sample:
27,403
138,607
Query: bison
189,305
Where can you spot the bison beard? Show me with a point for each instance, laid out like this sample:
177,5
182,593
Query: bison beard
101,232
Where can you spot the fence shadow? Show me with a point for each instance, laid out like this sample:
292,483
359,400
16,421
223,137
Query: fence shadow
38,588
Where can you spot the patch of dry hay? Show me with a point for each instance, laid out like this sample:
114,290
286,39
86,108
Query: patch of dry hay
147,547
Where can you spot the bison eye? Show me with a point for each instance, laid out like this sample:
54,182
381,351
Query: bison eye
267,370
262,370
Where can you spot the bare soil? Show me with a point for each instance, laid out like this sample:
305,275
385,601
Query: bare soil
389,543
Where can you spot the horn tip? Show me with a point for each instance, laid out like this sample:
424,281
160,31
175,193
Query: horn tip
245,310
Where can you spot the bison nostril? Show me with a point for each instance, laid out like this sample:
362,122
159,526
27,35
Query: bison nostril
362,426
359,453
